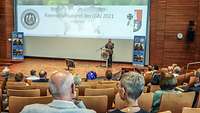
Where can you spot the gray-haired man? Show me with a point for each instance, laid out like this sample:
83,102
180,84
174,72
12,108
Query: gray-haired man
62,88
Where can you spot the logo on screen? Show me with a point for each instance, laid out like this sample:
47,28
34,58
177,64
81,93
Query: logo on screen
30,19
137,20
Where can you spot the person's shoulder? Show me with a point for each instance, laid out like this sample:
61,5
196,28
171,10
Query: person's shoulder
36,108
82,110
142,111
116,111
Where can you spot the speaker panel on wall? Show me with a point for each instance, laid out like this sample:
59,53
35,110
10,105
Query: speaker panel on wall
191,31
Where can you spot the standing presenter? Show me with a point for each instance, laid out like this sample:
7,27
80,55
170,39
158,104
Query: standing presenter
109,46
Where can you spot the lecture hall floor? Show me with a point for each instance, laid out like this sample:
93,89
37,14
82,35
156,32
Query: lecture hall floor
51,65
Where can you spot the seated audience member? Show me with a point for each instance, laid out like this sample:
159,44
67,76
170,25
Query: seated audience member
176,71
19,77
130,88
42,77
167,84
5,72
150,68
108,75
155,75
62,88
77,80
194,85
91,76
33,75
194,81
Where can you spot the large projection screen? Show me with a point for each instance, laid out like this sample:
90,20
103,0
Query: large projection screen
79,28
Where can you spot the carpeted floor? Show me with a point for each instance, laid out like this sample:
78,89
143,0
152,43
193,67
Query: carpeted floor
51,65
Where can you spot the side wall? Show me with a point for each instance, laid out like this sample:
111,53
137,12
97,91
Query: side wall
169,17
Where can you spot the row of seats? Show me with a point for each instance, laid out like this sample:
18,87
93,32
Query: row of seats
170,101
97,95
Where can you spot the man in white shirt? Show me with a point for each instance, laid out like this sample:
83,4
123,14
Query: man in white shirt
62,88
33,75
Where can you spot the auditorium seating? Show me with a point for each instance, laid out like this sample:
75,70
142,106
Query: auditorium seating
16,83
110,92
191,110
119,103
82,88
99,95
154,88
42,86
145,101
16,104
165,112
1,100
176,101
24,93
90,82
18,87
103,86
97,103
108,82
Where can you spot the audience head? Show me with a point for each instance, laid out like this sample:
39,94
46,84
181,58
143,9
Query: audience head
108,74
91,75
197,73
167,80
33,72
6,71
77,80
131,86
177,70
43,74
150,68
61,85
109,40
19,77
155,67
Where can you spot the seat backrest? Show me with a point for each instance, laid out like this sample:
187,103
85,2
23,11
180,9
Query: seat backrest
17,87
147,77
154,88
176,101
0,99
191,110
42,86
145,101
110,92
165,112
108,82
97,103
119,103
197,104
92,83
103,86
16,83
16,104
82,88
24,93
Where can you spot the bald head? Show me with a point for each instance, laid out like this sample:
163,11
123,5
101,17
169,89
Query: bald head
61,85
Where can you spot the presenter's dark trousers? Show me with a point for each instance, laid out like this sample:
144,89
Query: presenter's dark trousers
110,61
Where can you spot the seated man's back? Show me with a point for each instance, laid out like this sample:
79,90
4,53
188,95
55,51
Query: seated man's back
56,106
62,88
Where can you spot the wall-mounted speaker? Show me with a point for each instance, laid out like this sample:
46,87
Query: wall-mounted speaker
191,31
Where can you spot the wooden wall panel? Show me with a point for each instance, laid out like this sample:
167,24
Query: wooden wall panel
174,15
6,27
